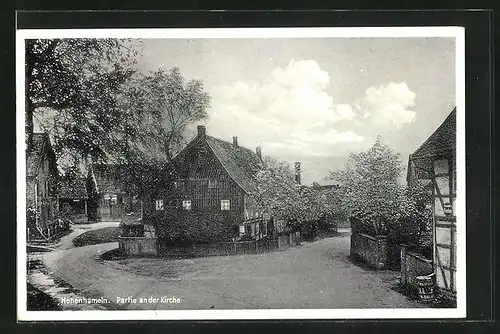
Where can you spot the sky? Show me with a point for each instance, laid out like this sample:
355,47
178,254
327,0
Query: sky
316,100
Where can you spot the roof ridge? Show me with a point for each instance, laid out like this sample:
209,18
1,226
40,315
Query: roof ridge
434,133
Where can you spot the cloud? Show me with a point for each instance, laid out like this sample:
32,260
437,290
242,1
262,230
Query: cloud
388,105
289,113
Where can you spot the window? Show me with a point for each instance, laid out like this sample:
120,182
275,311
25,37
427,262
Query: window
186,205
212,183
114,199
225,204
242,229
159,204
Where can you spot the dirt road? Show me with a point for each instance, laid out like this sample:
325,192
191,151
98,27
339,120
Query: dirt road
313,275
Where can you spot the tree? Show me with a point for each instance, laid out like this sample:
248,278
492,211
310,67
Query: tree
279,195
73,85
168,104
60,73
371,192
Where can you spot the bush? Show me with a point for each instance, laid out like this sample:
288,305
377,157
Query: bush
178,225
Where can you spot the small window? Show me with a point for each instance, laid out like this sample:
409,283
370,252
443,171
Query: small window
176,184
186,205
212,183
159,204
225,204
114,199
242,229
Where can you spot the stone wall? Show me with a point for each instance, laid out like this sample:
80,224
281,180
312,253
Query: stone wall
372,250
413,265
137,246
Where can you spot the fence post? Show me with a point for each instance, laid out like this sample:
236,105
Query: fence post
403,264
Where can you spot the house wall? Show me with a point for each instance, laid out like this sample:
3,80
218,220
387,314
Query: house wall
41,192
196,167
111,197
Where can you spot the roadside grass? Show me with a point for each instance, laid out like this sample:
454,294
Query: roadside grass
99,236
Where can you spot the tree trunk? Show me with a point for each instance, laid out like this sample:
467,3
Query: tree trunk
29,108
92,191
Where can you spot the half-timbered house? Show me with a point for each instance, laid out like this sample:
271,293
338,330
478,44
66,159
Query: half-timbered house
73,199
210,194
433,164
41,188
111,204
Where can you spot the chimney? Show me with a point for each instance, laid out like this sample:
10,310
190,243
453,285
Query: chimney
235,141
201,130
297,172
258,151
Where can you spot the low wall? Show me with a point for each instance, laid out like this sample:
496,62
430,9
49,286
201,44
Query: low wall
231,248
137,246
369,249
413,265
78,218
288,240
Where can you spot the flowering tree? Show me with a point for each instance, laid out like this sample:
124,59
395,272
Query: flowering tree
279,195
371,192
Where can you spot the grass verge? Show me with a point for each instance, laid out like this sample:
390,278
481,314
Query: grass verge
100,236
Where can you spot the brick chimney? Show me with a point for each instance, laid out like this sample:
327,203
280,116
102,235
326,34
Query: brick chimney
201,131
235,141
297,172
258,151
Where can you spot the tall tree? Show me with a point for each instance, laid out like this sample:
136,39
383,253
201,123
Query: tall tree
168,104
372,193
59,72
72,86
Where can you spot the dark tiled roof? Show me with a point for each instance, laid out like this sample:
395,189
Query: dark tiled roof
442,141
241,163
40,142
74,188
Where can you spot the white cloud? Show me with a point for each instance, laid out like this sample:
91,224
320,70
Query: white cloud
388,105
289,113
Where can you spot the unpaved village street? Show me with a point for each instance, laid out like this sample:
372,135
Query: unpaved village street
313,275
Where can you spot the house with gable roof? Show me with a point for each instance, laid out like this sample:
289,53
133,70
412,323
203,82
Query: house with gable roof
41,189
433,166
209,197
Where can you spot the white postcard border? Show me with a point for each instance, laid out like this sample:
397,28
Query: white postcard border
355,32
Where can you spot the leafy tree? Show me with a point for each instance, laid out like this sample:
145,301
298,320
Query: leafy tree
372,193
67,74
72,85
167,104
